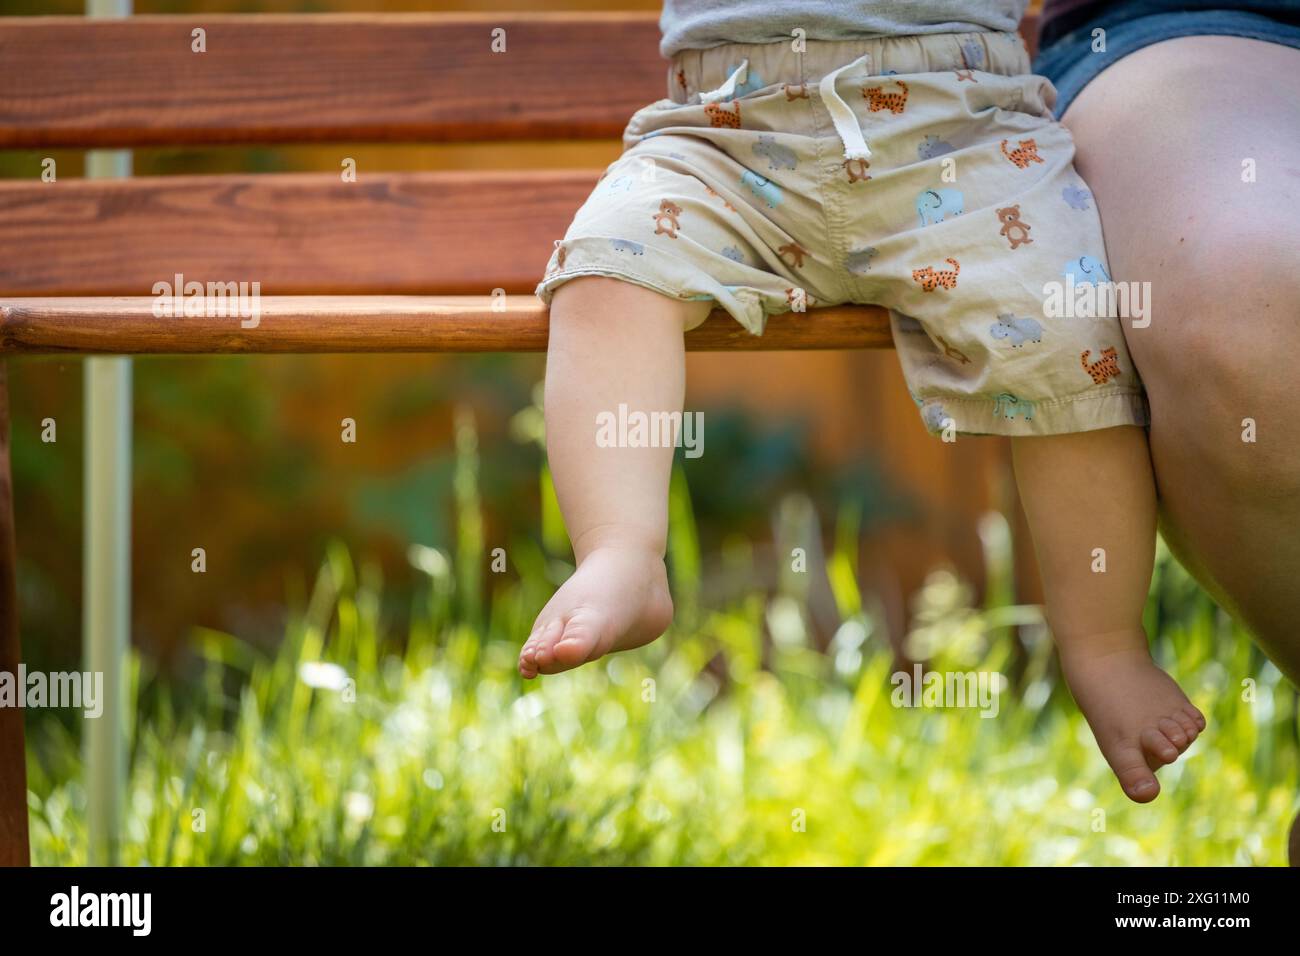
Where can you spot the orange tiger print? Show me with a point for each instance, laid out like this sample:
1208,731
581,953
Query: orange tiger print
1104,369
722,117
713,192
1024,154
878,99
931,279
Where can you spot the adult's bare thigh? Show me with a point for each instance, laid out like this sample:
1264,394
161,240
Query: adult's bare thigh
1192,149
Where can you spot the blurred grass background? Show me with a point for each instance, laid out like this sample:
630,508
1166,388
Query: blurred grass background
367,711
736,739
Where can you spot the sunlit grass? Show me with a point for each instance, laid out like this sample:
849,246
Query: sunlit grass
731,741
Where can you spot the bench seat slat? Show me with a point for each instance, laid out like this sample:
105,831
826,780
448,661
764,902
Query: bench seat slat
300,324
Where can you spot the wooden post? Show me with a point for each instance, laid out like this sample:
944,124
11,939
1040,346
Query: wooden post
14,849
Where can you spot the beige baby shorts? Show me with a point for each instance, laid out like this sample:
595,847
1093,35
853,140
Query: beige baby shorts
924,174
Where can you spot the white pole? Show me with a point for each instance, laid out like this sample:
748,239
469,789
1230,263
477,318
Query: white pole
106,581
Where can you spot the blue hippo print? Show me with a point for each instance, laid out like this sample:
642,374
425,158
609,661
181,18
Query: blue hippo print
936,419
1076,197
936,205
778,156
858,261
932,147
1086,270
619,183
733,253
1017,330
763,188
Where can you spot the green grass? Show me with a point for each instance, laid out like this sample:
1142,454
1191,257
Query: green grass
730,741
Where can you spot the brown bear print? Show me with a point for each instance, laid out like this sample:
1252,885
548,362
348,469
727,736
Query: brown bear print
666,223
1014,229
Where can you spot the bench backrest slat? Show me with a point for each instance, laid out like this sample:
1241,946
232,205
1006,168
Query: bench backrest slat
438,233
75,82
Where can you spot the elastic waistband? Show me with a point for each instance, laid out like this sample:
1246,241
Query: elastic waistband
691,72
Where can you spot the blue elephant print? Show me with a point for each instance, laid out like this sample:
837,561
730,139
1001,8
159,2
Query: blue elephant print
752,82
627,245
763,188
1086,270
936,205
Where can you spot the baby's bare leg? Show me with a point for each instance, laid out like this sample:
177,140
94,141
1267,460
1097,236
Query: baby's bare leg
612,343
1090,501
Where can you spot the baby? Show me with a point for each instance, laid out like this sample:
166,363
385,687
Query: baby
813,153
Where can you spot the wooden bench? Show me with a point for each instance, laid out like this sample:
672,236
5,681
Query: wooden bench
403,261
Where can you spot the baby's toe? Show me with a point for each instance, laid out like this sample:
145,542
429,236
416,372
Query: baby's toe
1157,745
581,634
1188,725
1134,775
1173,730
528,653
1197,718
544,651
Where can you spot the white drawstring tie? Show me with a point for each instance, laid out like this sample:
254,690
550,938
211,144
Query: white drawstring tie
727,90
846,124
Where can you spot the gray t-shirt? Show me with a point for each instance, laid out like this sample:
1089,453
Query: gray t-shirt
692,24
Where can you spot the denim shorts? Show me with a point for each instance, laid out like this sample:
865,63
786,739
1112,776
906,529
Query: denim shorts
1069,62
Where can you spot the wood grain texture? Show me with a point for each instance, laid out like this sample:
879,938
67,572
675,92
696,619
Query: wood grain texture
14,849
440,233
70,81
380,324
74,82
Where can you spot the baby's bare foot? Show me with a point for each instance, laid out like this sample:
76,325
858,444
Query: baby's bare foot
616,600
1140,718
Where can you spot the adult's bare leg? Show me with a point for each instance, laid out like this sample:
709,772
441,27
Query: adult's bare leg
1164,137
